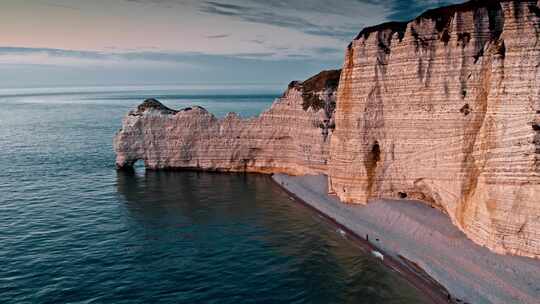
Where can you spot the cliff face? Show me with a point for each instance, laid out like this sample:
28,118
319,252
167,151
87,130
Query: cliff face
446,109
292,137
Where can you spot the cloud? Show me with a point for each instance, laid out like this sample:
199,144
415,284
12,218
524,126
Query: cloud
51,52
51,67
224,6
328,51
258,41
269,15
58,5
408,10
62,57
219,36
339,19
252,40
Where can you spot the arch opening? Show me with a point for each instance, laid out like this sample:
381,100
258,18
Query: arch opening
135,165
138,165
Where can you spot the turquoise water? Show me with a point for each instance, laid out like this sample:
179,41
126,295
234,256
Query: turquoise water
73,230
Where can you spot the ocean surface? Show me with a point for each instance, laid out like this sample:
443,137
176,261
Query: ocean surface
73,230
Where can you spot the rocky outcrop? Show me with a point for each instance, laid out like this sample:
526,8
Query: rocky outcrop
444,109
292,137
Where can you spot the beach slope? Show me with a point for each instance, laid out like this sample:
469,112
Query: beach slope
411,231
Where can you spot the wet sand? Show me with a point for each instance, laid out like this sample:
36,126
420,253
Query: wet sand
415,238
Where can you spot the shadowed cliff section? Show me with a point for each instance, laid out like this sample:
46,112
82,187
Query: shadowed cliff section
313,87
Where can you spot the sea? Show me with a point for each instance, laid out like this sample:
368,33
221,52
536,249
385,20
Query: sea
74,230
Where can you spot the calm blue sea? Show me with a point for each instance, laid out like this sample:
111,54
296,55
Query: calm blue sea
73,230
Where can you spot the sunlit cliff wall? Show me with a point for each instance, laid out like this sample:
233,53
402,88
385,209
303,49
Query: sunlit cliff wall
446,109
292,137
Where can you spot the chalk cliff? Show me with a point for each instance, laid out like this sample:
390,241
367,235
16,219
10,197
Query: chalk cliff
444,109
292,137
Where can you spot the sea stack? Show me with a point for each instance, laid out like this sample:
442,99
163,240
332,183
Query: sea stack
444,109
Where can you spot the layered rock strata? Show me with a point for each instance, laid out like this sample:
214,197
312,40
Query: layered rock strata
444,109
292,137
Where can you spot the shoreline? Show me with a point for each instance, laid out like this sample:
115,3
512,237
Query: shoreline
423,246
429,287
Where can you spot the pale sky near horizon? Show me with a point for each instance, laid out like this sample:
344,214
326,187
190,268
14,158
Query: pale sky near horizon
99,42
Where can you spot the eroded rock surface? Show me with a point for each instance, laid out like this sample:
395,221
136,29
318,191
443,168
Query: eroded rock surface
445,109
292,137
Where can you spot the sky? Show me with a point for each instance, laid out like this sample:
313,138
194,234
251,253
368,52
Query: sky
136,42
